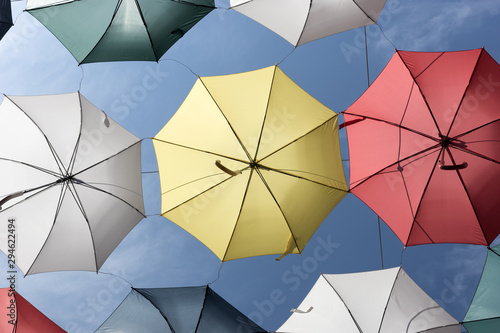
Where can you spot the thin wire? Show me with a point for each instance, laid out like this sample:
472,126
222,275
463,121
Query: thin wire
218,274
150,171
289,54
83,75
380,239
117,277
383,33
181,63
366,53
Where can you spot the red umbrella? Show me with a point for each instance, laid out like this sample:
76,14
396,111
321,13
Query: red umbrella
19,316
424,147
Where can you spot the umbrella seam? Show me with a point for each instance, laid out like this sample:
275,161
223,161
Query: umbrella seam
201,311
254,158
343,302
227,120
389,298
158,309
54,154
139,9
364,12
414,79
239,214
303,28
465,92
475,129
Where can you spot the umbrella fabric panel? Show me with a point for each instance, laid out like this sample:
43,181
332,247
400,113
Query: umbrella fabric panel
33,4
181,307
482,326
28,319
34,219
218,316
328,313
411,310
486,302
243,99
45,111
303,21
365,295
5,17
69,20
135,314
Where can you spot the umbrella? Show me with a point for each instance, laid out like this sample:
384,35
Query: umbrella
250,164
119,30
424,147
71,182
19,316
484,311
303,21
5,17
177,310
383,301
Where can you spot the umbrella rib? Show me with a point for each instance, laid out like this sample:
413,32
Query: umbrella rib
111,194
201,311
465,92
418,314
388,299
297,139
194,181
343,302
420,90
52,173
227,120
471,152
239,214
284,171
52,150
364,12
302,31
420,203
157,308
75,150
118,4
147,31
201,150
56,214
468,195
281,210
108,158
394,124
475,129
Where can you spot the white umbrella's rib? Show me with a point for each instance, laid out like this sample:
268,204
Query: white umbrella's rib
118,4
79,203
108,158
52,173
345,305
239,214
201,150
364,12
303,28
281,210
113,185
59,203
56,158
77,144
419,313
291,142
109,193
227,120
265,115
389,298
43,187
465,92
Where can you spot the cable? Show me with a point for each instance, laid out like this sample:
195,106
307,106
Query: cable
218,274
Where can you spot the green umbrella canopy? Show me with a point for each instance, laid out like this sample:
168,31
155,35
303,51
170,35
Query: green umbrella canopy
119,30
483,315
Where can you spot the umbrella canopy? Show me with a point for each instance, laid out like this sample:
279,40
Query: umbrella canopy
5,17
303,21
19,316
424,147
71,182
484,312
250,164
177,310
384,301
119,30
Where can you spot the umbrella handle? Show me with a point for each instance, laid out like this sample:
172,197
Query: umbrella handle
453,167
11,196
226,170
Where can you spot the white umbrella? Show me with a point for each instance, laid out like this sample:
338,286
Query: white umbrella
71,183
384,301
302,21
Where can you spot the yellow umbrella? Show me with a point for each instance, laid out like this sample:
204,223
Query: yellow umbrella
250,164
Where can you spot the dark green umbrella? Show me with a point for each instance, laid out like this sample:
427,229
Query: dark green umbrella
483,315
119,30
5,17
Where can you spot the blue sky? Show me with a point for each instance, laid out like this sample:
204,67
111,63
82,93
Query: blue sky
157,253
